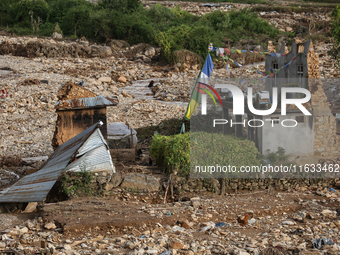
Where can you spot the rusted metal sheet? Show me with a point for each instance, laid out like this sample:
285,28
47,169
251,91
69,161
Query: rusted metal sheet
35,187
90,102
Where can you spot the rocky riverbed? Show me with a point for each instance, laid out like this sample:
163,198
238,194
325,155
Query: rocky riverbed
287,222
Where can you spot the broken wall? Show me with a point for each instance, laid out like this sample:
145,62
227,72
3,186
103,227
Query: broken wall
326,141
72,122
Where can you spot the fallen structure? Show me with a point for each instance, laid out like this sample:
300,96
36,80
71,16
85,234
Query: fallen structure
77,109
88,151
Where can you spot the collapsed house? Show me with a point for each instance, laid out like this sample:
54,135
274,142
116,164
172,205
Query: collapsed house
314,135
78,109
87,151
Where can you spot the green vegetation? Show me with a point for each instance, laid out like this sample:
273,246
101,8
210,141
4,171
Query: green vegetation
335,52
210,149
77,184
176,153
278,157
171,28
172,152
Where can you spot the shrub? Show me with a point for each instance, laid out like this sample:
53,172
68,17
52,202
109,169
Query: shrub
46,29
122,6
76,18
177,153
210,149
59,9
172,152
98,26
278,157
173,29
20,11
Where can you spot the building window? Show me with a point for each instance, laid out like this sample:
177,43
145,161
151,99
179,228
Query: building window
300,72
300,119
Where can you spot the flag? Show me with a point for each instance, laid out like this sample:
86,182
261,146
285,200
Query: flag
202,78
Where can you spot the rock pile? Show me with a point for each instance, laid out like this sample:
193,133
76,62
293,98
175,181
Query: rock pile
285,222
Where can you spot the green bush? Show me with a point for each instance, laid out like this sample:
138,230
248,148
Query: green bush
20,11
76,19
210,149
172,152
176,152
170,28
278,157
122,6
60,8
46,29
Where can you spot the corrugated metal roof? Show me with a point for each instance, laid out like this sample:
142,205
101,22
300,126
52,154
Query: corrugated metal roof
89,102
35,187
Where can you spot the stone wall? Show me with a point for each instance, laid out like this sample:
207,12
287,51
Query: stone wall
34,47
214,185
137,182
326,141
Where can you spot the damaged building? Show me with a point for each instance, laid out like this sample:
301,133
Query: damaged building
315,135
78,109
86,151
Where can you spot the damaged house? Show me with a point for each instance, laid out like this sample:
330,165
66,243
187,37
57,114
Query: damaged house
78,109
314,135
86,151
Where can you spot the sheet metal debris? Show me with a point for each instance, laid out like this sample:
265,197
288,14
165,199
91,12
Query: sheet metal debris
86,151
89,102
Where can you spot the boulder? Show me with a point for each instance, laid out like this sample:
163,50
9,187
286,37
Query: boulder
122,79
105,79
50,225
150,52
100,51
140,182
116,179
57,36
176,245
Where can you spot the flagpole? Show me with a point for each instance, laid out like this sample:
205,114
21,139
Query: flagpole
205,61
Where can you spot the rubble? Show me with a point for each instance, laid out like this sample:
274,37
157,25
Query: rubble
271,231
